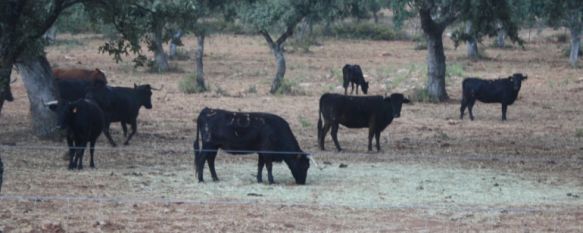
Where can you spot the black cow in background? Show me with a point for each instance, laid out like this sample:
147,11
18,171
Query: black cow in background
122,104
83,121
502,91
244,133
372,112
353,74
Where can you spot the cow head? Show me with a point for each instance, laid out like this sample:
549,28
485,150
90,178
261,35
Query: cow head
516,80
98,77
145,93
364,87
396,101
299,167
65,110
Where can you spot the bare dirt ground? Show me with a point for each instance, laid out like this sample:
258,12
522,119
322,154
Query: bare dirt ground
434,174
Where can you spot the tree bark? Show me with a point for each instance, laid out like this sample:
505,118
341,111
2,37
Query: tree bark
277,50
38,80
436,67
199,55
500,43
575,45
172,47
160,58
435,54
5,73
472,43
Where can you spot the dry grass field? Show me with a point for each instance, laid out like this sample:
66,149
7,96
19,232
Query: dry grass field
434,174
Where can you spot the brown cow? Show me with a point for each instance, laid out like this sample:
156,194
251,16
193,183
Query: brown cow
95,76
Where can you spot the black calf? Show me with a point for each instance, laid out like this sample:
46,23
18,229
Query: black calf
353,74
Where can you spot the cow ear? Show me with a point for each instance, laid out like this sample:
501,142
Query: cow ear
135,85
74,110
525,77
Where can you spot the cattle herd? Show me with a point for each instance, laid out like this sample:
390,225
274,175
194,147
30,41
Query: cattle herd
88,105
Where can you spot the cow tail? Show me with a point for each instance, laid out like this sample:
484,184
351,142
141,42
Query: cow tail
319,123
196,146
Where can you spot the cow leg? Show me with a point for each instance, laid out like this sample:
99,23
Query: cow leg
91,150
504,108
72,152
107,135
211,161
124,127
377,135
335,136
80,151
325,130
357,89
464,104
351,88
199,159
134,126
471,107
269,166
260,164
370,134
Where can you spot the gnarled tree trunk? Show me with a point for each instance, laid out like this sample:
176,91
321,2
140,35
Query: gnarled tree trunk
278,52
575,45
40,86
199,54
173,44
436,67
160,58
472,43
501,35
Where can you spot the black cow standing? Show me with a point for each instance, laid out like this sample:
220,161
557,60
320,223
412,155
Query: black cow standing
83,122
353,74
502,91
125,108
244,133
372,112
120,104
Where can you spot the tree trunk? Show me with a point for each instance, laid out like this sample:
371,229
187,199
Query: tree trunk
277,50
375,16
173,44
38,80
575,45
160,58
51,35
472,43
199,54
436,67
500,37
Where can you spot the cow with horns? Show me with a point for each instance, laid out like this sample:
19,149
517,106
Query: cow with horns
266,134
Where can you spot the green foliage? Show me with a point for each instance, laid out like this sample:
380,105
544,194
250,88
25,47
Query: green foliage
364,30
289,87
579,133
455,70
422,96
189,85
305,123
252,89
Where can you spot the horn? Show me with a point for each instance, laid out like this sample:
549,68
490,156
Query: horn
14,80
157,89
314,161
47,104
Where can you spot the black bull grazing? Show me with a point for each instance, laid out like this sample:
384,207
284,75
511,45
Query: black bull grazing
83,121
372,112
502,91
244,133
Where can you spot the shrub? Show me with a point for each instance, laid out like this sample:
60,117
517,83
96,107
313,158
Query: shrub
289,87
579,133
189,85
421,95
364,30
